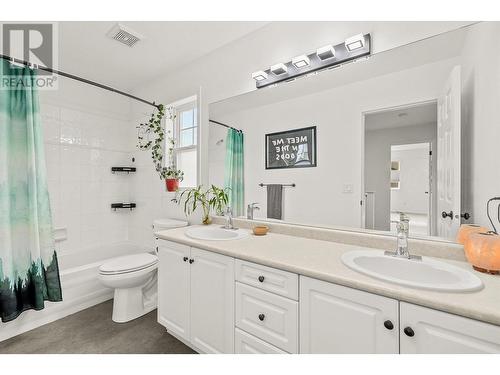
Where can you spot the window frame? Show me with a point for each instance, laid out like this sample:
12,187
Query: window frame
190,103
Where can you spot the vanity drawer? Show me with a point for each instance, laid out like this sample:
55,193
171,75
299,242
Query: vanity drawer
268,316
245,343
271,279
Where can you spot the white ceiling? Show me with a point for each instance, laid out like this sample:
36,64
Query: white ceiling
401,117
85,50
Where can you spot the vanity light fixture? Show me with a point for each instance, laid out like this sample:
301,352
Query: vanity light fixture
330,56
326,52
279,69
259,75
301,61
355,42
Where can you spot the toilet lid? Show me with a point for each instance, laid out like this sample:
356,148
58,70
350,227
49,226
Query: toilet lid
159,224
129,263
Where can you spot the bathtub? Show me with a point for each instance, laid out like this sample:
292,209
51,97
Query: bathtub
80,287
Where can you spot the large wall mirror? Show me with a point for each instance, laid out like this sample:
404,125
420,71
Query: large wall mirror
405,132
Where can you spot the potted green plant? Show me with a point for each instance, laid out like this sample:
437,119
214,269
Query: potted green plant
154,128
212,198
172,177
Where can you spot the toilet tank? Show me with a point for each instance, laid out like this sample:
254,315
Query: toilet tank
163,224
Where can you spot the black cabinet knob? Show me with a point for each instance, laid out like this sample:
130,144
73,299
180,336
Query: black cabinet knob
445,214
465,215
409,332
185,259
388,324
261,279
191,261
261,317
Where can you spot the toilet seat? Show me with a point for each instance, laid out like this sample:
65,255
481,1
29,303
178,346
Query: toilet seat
128,264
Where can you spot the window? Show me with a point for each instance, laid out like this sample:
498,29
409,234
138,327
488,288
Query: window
186,142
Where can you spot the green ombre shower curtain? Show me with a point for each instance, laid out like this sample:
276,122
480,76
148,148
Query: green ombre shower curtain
233,171
29,273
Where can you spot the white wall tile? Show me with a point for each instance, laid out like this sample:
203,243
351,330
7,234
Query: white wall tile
83,140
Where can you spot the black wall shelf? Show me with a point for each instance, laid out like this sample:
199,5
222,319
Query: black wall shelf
123,169
130,206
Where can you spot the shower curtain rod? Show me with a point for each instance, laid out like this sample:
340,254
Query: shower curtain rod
225,125
76,78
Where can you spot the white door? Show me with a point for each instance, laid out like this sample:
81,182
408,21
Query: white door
212,302
173,288
336,319
448,157
427,331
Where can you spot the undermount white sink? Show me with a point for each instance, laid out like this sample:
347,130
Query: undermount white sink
427,273
215,233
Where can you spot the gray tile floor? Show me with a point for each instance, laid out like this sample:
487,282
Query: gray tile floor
92,331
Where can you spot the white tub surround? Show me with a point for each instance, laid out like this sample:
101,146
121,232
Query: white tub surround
321,260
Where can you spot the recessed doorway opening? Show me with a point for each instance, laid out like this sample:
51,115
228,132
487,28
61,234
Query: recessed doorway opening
399,167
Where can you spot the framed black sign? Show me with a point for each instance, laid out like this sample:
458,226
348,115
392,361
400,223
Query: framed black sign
291,149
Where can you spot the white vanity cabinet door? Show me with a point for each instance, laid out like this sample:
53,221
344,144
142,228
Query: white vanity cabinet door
437,332
336,319
174,287
212,302
245,343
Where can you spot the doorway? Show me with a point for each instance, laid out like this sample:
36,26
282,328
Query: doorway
411,186
400,156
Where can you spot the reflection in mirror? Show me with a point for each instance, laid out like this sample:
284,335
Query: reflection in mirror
400,168
398,135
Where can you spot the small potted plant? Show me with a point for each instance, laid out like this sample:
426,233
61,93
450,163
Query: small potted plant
212,198
172,177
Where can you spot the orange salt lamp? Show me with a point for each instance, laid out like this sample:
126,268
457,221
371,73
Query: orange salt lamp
466,229
483,252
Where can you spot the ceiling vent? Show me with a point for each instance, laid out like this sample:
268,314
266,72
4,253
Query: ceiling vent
124,35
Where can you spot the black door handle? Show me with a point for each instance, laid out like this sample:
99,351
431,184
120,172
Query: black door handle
261,317
191,261
409,332
388,324
465,215
185,259
261,279
445,214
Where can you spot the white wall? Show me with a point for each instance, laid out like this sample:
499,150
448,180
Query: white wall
481,120
378,158
318,197
86,131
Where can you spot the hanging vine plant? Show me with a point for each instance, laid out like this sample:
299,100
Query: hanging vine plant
151,136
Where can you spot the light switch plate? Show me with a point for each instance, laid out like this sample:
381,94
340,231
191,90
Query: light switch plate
347,189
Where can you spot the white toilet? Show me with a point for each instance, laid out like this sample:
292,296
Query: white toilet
134,279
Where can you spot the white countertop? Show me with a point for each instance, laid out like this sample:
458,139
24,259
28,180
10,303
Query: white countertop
321,260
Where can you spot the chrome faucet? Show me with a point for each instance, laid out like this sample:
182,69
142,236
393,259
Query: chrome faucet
402,239
250,209
228,214
403,230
